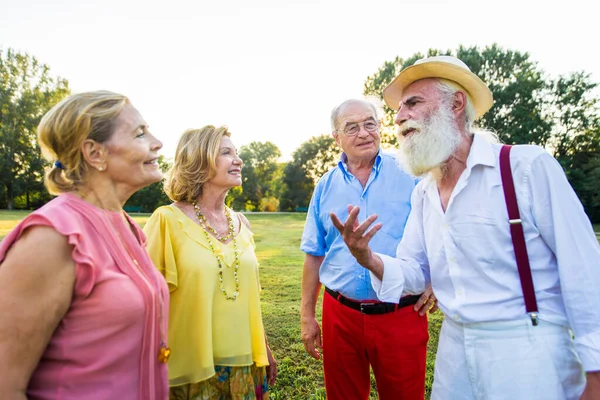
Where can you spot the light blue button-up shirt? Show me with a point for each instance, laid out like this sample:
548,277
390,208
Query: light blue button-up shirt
387,193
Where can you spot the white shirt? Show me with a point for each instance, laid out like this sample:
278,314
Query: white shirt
467,252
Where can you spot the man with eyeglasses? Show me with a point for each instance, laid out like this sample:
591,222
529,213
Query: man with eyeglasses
359,331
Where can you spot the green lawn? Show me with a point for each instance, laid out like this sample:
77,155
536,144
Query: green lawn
9,219
277,239
277,245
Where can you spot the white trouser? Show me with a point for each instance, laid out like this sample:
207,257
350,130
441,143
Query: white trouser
510,360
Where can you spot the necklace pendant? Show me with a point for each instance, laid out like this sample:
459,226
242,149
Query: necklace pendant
164,353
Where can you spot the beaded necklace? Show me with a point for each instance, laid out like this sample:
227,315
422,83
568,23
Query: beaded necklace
218,255
206,225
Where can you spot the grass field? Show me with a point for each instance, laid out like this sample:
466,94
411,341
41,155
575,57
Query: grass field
277,239
277,243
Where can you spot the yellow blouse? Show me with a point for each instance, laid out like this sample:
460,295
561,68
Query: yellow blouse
205,329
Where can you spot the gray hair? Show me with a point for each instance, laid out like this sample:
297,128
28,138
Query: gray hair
449,88
370,103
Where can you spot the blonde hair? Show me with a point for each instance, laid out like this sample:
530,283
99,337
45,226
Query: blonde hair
194,163
63,129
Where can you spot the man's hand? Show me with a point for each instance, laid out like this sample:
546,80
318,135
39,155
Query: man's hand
311,336
427,301
592,386
355,237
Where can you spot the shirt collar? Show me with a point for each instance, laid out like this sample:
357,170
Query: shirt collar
343,163
481,153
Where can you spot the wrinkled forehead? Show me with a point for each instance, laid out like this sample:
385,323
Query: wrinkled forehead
129,118
427,88
356,112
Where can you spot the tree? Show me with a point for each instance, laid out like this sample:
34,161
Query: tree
310,161
589,190
576,136
259,173
574,111
277,186
27,92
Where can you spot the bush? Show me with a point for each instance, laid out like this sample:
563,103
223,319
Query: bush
249,206
269,204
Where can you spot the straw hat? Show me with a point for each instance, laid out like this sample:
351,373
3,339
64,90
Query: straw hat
446,67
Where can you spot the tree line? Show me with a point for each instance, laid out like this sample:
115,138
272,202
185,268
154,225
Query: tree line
560,114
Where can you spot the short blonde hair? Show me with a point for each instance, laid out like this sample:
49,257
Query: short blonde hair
63,129
195,162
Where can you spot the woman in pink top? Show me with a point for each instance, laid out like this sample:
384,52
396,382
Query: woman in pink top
83,311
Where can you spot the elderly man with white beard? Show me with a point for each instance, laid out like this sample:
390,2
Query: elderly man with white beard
502,238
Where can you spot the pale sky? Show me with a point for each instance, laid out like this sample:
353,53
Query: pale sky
272,70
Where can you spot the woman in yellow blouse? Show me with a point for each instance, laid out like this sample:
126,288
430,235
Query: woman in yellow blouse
206,253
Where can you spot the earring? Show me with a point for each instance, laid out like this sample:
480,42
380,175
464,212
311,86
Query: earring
100,169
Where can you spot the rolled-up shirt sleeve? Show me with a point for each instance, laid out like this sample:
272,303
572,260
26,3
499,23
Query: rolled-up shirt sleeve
408,271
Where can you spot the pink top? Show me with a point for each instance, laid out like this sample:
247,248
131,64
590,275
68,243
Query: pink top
106,345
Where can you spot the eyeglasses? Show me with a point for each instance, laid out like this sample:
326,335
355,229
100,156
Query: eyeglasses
353,128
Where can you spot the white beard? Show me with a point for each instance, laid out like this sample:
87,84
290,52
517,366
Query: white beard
432,143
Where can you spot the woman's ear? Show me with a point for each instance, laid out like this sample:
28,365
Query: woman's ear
95,154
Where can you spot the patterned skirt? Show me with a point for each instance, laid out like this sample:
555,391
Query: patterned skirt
228,383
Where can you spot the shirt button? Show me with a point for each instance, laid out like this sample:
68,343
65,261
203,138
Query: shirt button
455,317
451,259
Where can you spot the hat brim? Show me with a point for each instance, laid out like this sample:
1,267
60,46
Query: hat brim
480,94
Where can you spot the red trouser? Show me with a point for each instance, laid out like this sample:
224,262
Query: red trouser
394,344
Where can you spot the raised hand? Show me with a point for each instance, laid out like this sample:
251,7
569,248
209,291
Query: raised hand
357,237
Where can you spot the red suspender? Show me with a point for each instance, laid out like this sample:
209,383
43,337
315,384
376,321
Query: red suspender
516,232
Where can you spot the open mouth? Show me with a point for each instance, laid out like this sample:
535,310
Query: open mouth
235,172
154,161
408,131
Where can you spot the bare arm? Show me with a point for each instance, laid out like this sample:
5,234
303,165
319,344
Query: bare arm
36,286
592,386
311,332
272,367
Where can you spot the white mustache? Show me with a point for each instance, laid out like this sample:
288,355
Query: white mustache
406,125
